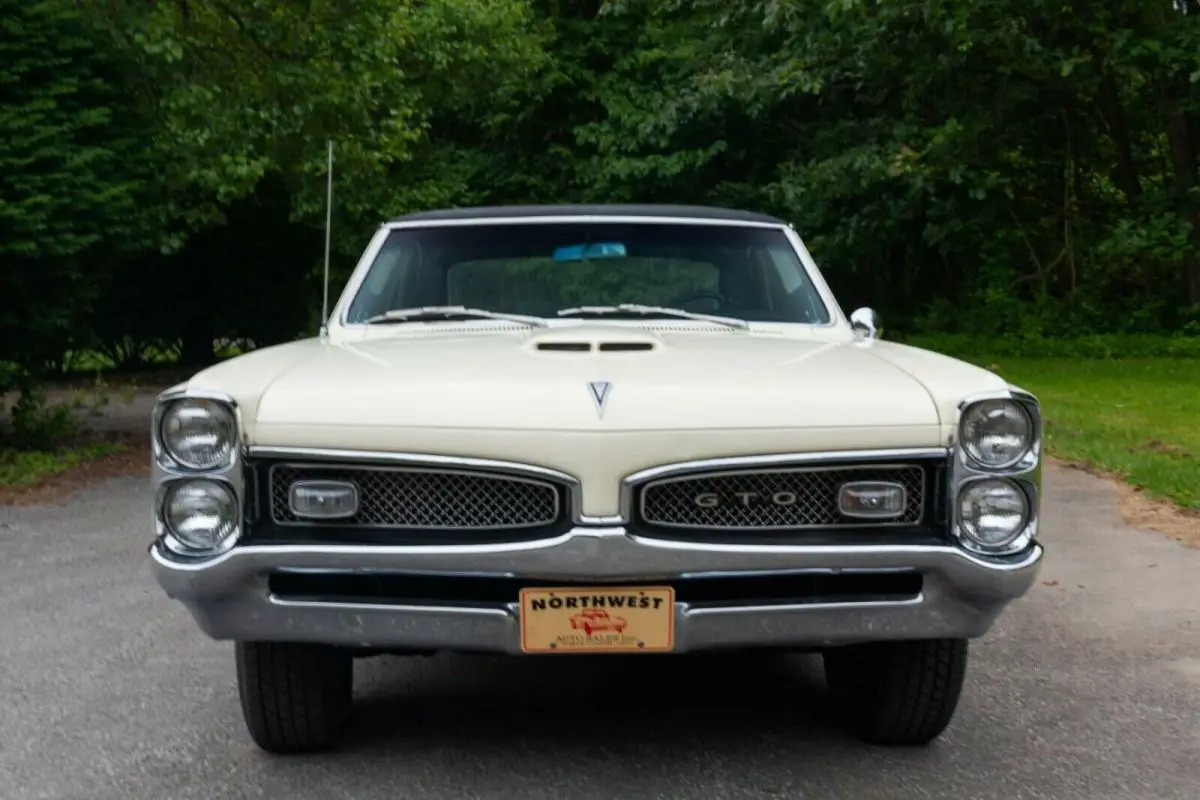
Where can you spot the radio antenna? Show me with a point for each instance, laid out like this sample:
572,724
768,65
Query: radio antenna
328,226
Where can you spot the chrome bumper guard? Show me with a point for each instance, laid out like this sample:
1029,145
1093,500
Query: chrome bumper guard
961,596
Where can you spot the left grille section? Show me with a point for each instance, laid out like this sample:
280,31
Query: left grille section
429,499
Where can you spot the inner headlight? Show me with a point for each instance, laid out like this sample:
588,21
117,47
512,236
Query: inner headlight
201,514
199,433
996,433
992,513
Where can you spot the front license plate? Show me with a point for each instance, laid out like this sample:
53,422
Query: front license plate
619,619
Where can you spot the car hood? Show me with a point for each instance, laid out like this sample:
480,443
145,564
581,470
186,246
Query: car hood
543,381
532,396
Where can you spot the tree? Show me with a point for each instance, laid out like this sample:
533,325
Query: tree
69,155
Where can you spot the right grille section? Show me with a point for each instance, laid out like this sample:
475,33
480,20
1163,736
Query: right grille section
775,499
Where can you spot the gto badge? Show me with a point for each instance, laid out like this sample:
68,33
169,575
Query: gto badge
599,391
747,499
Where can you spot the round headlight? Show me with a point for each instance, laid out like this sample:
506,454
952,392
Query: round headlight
201,514
198,433
996,433
992,513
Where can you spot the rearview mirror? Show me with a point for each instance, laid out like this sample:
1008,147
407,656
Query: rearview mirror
590,252
865,323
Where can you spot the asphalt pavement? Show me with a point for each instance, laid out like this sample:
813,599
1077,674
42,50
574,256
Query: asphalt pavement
1087,688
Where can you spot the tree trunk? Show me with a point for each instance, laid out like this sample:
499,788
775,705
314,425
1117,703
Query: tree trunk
1118,130
1180,135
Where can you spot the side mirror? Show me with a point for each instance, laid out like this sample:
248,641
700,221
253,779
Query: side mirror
865,323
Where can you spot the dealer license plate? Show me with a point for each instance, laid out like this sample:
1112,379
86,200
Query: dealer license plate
615,619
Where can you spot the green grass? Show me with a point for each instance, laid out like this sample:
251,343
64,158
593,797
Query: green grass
1136,418
24,468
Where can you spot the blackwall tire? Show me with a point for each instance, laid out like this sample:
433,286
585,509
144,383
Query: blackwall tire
897,693
296,698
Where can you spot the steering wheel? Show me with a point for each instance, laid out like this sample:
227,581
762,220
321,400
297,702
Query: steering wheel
702,295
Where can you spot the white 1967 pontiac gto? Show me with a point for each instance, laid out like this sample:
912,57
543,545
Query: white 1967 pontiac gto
595,430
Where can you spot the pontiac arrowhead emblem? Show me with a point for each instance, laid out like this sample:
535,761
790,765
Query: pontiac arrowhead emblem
599,390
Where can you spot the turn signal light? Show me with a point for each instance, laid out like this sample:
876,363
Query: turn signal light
872,500
323,499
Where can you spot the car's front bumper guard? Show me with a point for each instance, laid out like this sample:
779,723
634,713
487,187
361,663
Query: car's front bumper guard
961,595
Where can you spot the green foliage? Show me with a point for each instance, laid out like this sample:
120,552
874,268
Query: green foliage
973,347
1135,418
249,88
72,173
955,153
26,467
35,424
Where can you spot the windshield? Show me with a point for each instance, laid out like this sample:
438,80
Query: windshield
541,269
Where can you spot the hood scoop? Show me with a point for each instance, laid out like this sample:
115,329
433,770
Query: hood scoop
594,339
588,347
565,347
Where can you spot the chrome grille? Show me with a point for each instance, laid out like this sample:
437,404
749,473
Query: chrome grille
412,497
748,499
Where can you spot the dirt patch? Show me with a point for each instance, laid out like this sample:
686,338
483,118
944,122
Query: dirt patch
1163,448
1136,508
132,460
105,414
1157,515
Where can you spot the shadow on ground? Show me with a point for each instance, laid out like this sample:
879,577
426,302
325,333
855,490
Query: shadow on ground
574,706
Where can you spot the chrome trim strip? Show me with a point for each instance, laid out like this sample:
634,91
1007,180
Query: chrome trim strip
837,317
579,218
337,314
404,468
600,554
766,461
360,457
648,485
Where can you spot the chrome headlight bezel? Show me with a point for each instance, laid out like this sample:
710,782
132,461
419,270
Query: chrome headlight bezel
1022,534
1032,440
167,535
167,469
218,406
1025,472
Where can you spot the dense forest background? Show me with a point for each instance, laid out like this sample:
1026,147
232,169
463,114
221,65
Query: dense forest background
1001,168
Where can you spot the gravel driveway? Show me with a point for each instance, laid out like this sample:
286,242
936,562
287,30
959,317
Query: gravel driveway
1088,688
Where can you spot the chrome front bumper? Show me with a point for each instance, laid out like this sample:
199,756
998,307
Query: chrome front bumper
228,595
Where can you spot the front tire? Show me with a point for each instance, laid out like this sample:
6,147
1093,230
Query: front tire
296,698
897,693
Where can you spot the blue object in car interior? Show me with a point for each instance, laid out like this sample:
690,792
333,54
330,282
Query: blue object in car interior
587,252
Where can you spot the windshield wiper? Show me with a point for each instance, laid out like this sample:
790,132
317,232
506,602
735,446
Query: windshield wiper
448,313
635,308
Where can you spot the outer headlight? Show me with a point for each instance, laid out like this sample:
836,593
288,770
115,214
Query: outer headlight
199,433
201,514
992,513
996,434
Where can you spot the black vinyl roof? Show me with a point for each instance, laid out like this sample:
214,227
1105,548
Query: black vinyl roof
570,210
